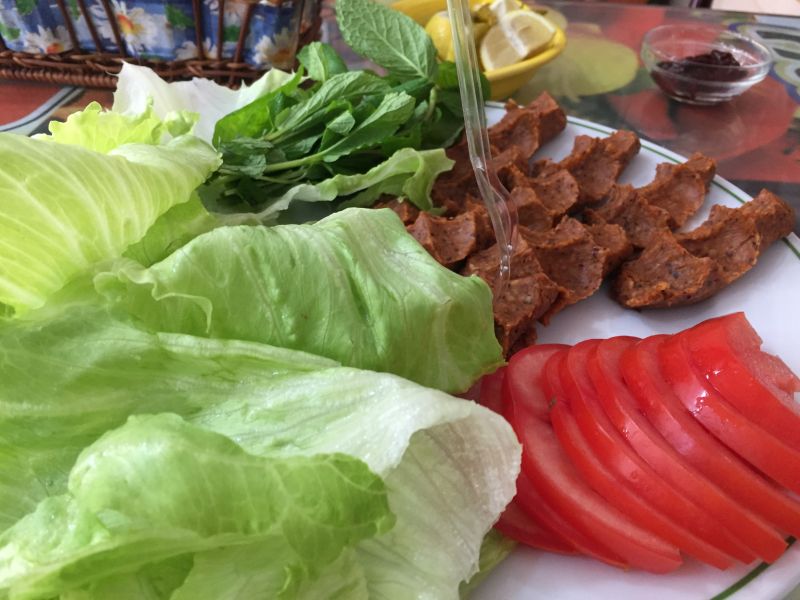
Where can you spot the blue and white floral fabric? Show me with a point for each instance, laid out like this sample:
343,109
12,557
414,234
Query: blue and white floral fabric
153,29
31,26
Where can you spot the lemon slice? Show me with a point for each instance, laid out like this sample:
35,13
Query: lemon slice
502,7
440,32
518,35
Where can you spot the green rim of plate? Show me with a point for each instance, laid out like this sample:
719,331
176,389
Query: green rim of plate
740,196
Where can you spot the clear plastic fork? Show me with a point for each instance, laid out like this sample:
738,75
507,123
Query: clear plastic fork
495,196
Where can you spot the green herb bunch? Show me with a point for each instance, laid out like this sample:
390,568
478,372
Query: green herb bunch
341,122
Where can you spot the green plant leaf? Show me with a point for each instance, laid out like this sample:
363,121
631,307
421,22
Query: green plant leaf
78,207
340,88
257,118
342,124
387,37
211,494
321,61
394,110
96,129
184,294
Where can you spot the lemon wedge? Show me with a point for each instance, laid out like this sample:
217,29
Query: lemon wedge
440,32
438,28
518,35
502,7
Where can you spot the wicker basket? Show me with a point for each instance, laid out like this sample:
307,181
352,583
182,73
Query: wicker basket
84,42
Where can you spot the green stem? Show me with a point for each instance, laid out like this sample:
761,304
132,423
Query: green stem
434,96
291,164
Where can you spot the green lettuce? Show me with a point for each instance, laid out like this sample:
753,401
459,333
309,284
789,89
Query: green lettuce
209,494
102,131
325,289
64,209
192,408
449,466
408,173
140,88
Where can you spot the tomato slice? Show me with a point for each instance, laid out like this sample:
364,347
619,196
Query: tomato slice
601,479
518,383
655,398
519,525
489,391
621,408
727,351
532,503
558,481
759,447
697,529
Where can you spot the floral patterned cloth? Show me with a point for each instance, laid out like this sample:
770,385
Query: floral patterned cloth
153,29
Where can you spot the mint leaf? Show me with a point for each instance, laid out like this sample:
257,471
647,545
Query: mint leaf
387,37
258,117
447,79
339,88
342,124
394,110
321,61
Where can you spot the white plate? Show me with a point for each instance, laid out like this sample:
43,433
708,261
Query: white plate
767,295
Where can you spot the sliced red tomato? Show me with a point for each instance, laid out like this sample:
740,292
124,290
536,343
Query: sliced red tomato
560,484
655,398
759,447
699,533
602,480
619,405
727,351
489,390
519,525
532,503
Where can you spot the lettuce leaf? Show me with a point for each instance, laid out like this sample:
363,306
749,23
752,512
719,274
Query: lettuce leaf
102,131
64,208
209,493
139,88
313,288
449,465
409,173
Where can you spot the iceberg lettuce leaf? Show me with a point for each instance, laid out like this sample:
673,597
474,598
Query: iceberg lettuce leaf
138,88
158,487
409,173
102,131
432,450
64,208
354,287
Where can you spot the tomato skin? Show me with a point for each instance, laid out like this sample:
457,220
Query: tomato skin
489,392
602,480
519,525
700,535
531,501
516,522
619,405
560,484
726,350
760,448
655,398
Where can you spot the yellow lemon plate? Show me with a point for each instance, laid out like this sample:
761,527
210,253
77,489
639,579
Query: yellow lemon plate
506,80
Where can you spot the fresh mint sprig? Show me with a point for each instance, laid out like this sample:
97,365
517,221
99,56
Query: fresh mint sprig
388,38
327,121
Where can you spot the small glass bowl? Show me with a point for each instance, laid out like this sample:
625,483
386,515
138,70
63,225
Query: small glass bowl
666,48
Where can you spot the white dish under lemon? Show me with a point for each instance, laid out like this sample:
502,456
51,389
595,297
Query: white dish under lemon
768,296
